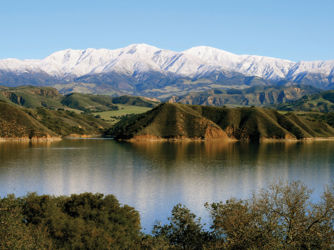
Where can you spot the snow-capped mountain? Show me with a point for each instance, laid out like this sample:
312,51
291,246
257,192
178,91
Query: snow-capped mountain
143,68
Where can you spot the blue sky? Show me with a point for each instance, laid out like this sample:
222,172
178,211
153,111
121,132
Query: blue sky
294,29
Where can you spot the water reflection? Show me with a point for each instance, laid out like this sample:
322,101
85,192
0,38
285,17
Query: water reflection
153,177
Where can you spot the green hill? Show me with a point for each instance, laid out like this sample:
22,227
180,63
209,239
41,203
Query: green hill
321,102
257,96
64,122
167,121
36,97
173,121
15,123
89,102
32,97
18,122
254,123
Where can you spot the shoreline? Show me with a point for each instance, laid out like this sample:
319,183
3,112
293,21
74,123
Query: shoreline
152,139
47,139
27,139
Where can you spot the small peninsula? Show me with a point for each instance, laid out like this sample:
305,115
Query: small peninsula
170,121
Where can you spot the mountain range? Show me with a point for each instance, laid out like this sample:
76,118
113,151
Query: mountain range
141,69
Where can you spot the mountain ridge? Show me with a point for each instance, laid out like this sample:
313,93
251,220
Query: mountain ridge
139,68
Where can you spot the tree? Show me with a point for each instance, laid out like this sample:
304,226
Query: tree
280,217
184,230
14,232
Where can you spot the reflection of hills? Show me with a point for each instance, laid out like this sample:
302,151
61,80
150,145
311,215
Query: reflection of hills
153,177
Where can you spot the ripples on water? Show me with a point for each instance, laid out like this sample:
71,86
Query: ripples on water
153,177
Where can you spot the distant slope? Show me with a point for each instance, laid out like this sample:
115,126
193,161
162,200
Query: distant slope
32,97
321,102
35,97
257,96
172,121
136,101
89,102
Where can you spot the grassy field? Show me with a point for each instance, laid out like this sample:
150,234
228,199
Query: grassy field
113,116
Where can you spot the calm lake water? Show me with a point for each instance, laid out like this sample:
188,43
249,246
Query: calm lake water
153,177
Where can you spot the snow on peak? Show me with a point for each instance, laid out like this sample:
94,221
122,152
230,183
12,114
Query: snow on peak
137,58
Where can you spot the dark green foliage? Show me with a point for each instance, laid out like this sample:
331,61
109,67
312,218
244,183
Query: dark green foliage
14,232
280,217
85,221
184,230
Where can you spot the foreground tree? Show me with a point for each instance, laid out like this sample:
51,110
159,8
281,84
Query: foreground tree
280,217
15,233
184,230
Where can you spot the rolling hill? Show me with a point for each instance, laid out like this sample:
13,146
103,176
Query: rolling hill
41,123
179,121
50,98
167,121
15,123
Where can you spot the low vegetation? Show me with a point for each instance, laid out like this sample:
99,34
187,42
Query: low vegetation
280,217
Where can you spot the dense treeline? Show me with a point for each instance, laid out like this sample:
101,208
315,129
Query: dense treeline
281,217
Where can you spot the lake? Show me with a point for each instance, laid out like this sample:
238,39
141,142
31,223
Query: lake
153,177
